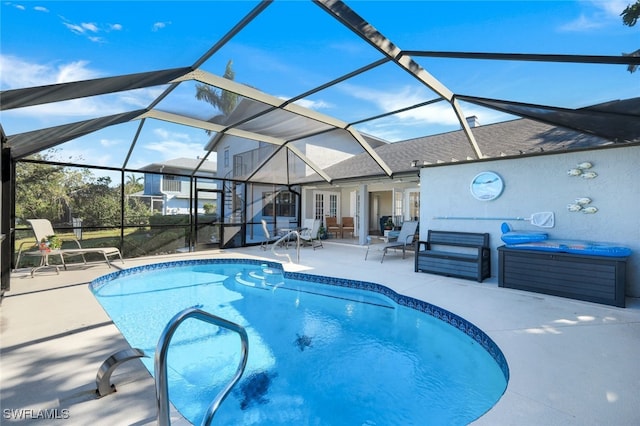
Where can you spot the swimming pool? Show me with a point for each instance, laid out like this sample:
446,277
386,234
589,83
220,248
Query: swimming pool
322,350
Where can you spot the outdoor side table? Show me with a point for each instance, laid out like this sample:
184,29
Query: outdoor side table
44,259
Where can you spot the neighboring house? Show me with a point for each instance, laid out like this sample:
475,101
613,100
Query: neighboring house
168,193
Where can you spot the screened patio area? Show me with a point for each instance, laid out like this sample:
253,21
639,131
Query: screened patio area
237,146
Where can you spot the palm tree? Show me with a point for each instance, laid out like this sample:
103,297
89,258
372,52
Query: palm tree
133,184
222,100
133,180
630,16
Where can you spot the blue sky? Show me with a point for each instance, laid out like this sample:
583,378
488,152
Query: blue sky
294,46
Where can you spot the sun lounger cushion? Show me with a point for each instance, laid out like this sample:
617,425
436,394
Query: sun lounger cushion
575,247
103,250
534,240
509,236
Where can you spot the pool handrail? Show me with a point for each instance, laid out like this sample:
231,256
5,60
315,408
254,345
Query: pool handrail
160,362
286,237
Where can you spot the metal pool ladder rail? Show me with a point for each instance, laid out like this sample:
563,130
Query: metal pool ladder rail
286,238
160,362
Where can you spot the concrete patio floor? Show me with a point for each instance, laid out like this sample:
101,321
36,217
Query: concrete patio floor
571,362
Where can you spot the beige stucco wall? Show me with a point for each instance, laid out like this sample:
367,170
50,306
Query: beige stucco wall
538,184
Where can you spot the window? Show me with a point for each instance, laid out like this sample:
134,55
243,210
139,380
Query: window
398,203
238,166
226,157
414,205
282,204
319,211
171,183
333,205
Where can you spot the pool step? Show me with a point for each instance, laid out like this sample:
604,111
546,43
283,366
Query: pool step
266,277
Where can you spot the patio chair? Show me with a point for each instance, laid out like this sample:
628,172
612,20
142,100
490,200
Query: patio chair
348,225
268,238
404,240
309,233
333,227
42,229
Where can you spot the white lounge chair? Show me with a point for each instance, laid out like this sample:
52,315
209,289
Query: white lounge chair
403,241
42,229
309,233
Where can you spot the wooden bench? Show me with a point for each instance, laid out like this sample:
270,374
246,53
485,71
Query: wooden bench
470,259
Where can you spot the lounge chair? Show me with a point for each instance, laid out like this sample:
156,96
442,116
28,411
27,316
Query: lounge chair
309,233
348,225
42,229
268,238
333,227
404,240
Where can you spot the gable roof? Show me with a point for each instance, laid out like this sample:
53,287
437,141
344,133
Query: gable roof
506,139
182,166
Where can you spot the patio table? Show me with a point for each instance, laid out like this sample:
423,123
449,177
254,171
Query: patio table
44,260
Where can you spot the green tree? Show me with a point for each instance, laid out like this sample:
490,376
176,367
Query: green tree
49,191
42,190
630,16
97,203
222,100
133,184
209,208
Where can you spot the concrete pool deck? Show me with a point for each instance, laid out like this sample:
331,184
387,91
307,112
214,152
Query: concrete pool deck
571,362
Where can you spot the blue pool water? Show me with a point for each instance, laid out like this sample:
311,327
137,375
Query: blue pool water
322,351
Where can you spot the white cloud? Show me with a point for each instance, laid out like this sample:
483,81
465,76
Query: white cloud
91,30
391,100
315,105
18,73
612,8
173,144
108,143
74,71
77,29
72,152
89,26
597,14
582,23
160,25
41,9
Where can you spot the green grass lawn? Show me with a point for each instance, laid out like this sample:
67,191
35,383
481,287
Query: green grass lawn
137,242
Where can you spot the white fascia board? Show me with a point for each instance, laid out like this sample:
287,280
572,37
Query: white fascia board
465,126
231,86
206,125
315,115
424,76
256,95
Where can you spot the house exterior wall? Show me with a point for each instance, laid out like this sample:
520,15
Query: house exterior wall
539,184
379,193
152,184
175,192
